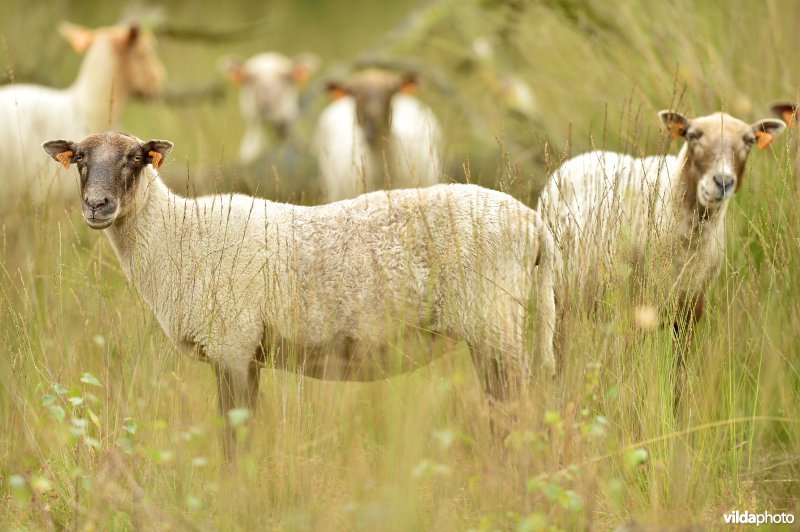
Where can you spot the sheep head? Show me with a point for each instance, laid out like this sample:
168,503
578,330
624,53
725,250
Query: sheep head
717,149
140,67
373,91
269,82
110,166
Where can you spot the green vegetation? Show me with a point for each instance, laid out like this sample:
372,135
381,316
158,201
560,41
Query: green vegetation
104,425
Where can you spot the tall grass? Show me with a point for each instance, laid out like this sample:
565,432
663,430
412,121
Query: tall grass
105,425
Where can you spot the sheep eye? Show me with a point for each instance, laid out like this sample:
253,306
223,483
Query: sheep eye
137,158
78,158
750,140
694,135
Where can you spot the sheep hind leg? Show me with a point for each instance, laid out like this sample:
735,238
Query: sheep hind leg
498,387
236,389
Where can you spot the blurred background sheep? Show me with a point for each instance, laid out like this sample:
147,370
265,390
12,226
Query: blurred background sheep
120,63
376,135
269,86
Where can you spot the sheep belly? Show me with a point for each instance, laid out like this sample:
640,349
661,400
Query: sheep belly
346,359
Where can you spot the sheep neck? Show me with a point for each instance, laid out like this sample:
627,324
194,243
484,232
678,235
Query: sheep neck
133,234
382,163
101,86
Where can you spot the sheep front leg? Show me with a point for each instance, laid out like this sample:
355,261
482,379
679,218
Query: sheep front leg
690,310
235,389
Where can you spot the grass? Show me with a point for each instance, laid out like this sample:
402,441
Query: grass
105,425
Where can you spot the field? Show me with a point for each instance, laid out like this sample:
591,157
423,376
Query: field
104,425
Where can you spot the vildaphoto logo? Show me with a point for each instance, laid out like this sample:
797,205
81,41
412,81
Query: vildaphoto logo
763,518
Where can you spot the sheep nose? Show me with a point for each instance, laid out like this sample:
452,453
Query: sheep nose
95,204
724,182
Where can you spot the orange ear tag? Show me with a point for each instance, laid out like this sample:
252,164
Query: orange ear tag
763,139
788,117
676,130
156,159
65,158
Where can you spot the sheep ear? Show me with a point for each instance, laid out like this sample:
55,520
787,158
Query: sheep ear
785,111
237,75
233,68
78,37
409,84
62,151
336,90
766,130
303,66
676,123
133,34
157,151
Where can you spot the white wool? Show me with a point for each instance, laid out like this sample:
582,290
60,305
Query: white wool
342,151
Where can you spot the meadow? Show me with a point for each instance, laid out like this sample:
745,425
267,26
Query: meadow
104,425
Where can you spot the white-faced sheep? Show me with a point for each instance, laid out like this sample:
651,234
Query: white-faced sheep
375,124
120,62
661,217
332,291
269,97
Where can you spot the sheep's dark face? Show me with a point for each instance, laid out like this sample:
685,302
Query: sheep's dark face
110,166
373,91
717,149
373,95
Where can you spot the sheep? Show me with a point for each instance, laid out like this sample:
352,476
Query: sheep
372,124
332,291
660,217
120,62
269,98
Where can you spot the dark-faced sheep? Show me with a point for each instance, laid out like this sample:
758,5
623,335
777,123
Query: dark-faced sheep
334,291
376,135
